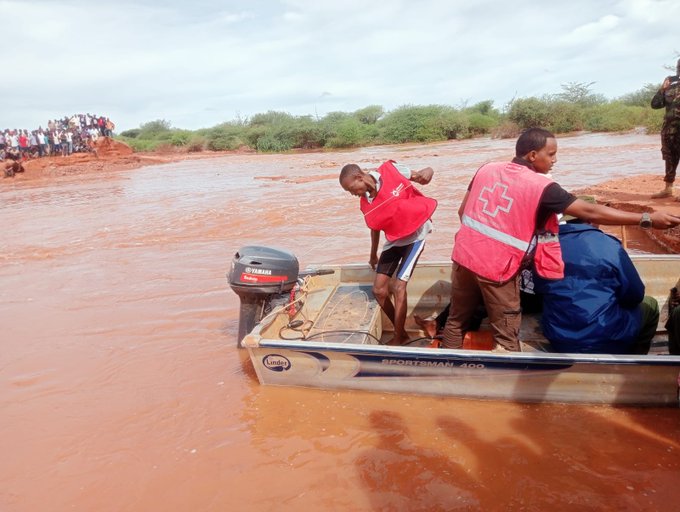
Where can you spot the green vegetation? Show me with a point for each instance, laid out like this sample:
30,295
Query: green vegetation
574,108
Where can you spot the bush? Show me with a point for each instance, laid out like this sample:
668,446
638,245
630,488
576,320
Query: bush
418,124
348,133
141,145
370,114
529,112
271,117
642,97
483,107
506,130
558,116
153,129
164,147
480,124
269,143
180,137
131,133
574,108
652,120
281,130
612,117
452,124
305,133
564,117
196,144
223,137
223,142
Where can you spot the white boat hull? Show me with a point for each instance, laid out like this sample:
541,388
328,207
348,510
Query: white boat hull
359,362
471,374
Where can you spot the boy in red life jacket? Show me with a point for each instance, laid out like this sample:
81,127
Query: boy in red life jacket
509,221
390,203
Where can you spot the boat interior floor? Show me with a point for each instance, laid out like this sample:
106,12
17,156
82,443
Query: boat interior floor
349,313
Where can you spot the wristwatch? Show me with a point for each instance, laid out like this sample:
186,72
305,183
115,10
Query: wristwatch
646,221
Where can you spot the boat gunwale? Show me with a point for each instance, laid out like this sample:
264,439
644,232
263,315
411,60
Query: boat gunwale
439,263
476,355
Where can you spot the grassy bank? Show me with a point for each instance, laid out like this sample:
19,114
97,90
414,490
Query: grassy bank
575,108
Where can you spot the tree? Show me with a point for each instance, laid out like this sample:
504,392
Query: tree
152,129
640,98
370,114
579,93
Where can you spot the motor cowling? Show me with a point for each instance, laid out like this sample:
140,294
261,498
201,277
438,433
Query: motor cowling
258,274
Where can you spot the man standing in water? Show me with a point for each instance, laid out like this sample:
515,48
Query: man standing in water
669,96
509,220
391,203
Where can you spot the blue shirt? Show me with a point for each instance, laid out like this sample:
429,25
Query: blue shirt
595,308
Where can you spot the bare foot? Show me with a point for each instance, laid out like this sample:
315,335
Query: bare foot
429,325
398,341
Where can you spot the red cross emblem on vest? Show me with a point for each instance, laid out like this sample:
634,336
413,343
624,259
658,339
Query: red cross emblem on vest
495,199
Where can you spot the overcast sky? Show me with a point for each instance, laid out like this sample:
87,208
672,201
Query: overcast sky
197,63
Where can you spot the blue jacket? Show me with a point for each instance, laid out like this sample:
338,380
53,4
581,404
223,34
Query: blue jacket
595,308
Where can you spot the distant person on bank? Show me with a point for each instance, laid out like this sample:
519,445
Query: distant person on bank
391,204
668,96
12,165
508,222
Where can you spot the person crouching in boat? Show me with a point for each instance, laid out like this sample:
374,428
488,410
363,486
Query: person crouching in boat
600,306
390,203
508,221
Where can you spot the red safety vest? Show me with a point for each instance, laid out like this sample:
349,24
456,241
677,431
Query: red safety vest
399,208
499,223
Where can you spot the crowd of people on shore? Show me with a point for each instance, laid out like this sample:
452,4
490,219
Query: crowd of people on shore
63,137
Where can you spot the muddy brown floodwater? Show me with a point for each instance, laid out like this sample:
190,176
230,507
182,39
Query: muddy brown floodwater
121,387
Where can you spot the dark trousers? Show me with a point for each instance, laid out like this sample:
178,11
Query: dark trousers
649,308
468,292
670,148
673,328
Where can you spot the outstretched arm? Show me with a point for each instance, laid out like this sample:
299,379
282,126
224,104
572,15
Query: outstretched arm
423,176
600,214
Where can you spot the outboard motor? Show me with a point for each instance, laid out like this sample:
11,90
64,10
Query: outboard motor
258,275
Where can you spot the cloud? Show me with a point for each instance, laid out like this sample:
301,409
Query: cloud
201,64
587,33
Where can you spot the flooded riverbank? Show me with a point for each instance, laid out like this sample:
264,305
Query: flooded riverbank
121,387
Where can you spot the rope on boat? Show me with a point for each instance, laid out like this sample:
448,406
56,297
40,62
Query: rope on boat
304,288
332,312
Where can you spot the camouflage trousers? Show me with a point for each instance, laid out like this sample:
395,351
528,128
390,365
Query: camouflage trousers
670,148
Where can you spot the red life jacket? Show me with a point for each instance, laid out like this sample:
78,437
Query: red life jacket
399,208
499,223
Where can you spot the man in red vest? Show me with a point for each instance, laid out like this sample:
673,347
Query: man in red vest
390,203
509,221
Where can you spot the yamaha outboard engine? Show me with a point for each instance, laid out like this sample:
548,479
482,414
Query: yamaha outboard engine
258,275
